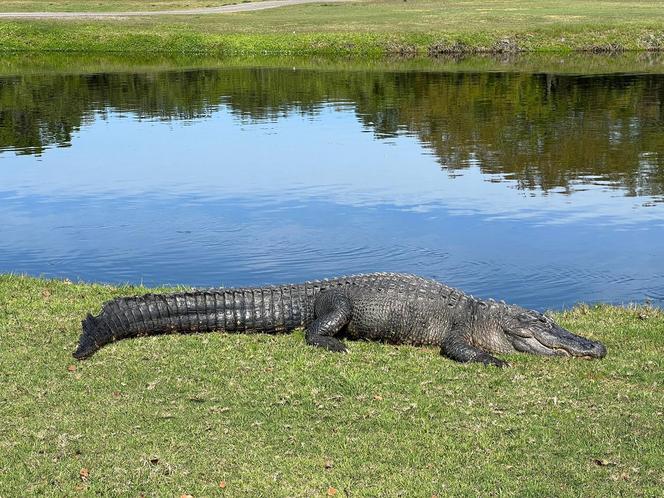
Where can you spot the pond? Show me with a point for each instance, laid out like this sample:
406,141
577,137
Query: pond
543,188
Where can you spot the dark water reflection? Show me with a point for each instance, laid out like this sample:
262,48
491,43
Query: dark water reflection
544,189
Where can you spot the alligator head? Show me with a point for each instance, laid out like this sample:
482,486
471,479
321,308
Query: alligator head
529,331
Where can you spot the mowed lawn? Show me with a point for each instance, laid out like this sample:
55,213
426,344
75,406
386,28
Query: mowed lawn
355,27
109,5
260,415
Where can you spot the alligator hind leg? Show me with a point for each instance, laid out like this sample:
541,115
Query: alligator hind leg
457,347
333,311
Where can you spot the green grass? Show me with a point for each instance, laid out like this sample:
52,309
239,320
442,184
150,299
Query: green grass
109,5
33,63
363,27
164,416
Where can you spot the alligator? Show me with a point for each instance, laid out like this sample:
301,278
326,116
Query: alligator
394,308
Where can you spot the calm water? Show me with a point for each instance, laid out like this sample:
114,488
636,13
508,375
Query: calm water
540,189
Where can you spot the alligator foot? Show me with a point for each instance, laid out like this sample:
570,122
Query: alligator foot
333,312
329,343
457,347
487,360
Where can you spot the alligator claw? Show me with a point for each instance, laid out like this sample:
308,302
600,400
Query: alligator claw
490,360
329,343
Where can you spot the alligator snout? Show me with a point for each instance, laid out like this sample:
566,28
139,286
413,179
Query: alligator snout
598,350
565,343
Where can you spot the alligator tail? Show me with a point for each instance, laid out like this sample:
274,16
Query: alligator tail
266,310
87,344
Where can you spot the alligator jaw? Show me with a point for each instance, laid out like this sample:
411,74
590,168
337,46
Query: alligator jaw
564,343
532,332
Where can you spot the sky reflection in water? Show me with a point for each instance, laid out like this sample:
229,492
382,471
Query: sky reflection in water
287,193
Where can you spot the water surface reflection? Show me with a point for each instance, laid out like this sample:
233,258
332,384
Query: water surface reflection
544,189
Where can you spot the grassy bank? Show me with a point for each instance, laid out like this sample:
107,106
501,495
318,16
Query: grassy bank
372,27
32,63
268,416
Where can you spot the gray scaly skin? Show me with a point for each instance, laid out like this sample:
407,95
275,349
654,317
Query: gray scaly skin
389,307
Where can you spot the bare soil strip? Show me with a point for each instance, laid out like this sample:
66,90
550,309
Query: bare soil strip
226,9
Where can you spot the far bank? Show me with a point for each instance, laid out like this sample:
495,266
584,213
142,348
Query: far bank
364,28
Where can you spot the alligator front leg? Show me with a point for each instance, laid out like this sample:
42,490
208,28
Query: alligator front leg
457,347
333,311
